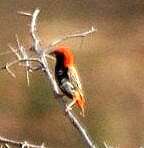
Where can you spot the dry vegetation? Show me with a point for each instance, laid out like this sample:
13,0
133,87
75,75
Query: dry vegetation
111,65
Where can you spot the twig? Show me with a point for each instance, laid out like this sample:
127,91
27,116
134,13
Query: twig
40,52
19,144
36,41
109,146
21,61
24,55
24,13
14,51
8,65
83,34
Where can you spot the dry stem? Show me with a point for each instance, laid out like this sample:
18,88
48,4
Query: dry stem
25,144
42,60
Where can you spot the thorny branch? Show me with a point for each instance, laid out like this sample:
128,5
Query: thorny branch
23,57
83,34
8,142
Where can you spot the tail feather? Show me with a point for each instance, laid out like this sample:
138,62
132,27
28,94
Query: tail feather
81,103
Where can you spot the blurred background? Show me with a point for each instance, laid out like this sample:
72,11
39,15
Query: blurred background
110,63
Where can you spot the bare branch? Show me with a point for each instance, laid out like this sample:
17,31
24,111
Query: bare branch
50,77
8,65
19,144
33,30
23,60
83,34
83,132
44,65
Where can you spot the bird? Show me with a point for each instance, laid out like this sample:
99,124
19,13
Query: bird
68,79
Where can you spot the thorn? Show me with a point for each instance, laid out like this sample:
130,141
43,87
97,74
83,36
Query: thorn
24,13
14,51
10,72
42,146
27,76
17,40
25,145
37,10
94,29
7,146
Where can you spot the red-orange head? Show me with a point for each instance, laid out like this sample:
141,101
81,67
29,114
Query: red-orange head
64,54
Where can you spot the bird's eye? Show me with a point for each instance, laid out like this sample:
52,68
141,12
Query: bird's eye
60,72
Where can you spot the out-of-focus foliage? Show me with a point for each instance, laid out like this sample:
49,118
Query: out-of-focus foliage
110,62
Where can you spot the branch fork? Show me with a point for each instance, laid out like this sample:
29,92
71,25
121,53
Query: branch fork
41,60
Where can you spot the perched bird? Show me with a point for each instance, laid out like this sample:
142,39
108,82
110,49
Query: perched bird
67,77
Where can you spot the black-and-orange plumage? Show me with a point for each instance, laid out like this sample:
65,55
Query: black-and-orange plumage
67,77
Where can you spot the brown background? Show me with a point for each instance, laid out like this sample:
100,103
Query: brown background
110,62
